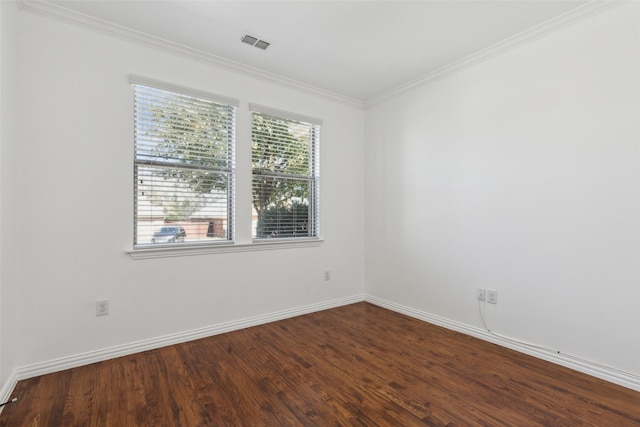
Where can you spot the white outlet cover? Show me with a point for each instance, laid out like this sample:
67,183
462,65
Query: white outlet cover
492,296
102,307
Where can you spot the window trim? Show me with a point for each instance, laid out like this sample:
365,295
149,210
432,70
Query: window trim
257,108
183,90
219,248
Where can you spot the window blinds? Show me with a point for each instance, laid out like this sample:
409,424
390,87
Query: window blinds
285,169
184,165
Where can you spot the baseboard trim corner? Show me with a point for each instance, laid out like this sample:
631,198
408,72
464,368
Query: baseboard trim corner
612,375
7,388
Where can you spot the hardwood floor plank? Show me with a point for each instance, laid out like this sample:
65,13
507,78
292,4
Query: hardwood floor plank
358,365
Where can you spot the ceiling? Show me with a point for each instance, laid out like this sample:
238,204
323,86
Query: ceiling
356,49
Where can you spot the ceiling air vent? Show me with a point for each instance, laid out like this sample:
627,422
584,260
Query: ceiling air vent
262,44
249,40
253,41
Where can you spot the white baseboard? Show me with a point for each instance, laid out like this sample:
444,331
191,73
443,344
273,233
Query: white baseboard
7,388
87,358
609,374
613,375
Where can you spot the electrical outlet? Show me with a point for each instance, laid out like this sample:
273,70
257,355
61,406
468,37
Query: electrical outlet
327,275
102,307
492,296
482,294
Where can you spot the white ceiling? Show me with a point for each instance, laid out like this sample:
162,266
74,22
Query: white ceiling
356,49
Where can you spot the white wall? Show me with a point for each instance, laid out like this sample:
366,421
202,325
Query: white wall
76,203
8,135
520,174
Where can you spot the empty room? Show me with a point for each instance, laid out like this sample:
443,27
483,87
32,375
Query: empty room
312,213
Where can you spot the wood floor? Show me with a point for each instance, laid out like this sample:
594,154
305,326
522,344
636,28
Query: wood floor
358,365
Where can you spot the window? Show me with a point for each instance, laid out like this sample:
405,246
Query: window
183,167
285,169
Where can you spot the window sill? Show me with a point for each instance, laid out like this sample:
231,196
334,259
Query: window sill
257,245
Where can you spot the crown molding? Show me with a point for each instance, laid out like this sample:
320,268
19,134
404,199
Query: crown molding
572,17
58,13
560,22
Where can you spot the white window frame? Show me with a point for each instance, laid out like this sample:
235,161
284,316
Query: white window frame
146,250
313,177
232,246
